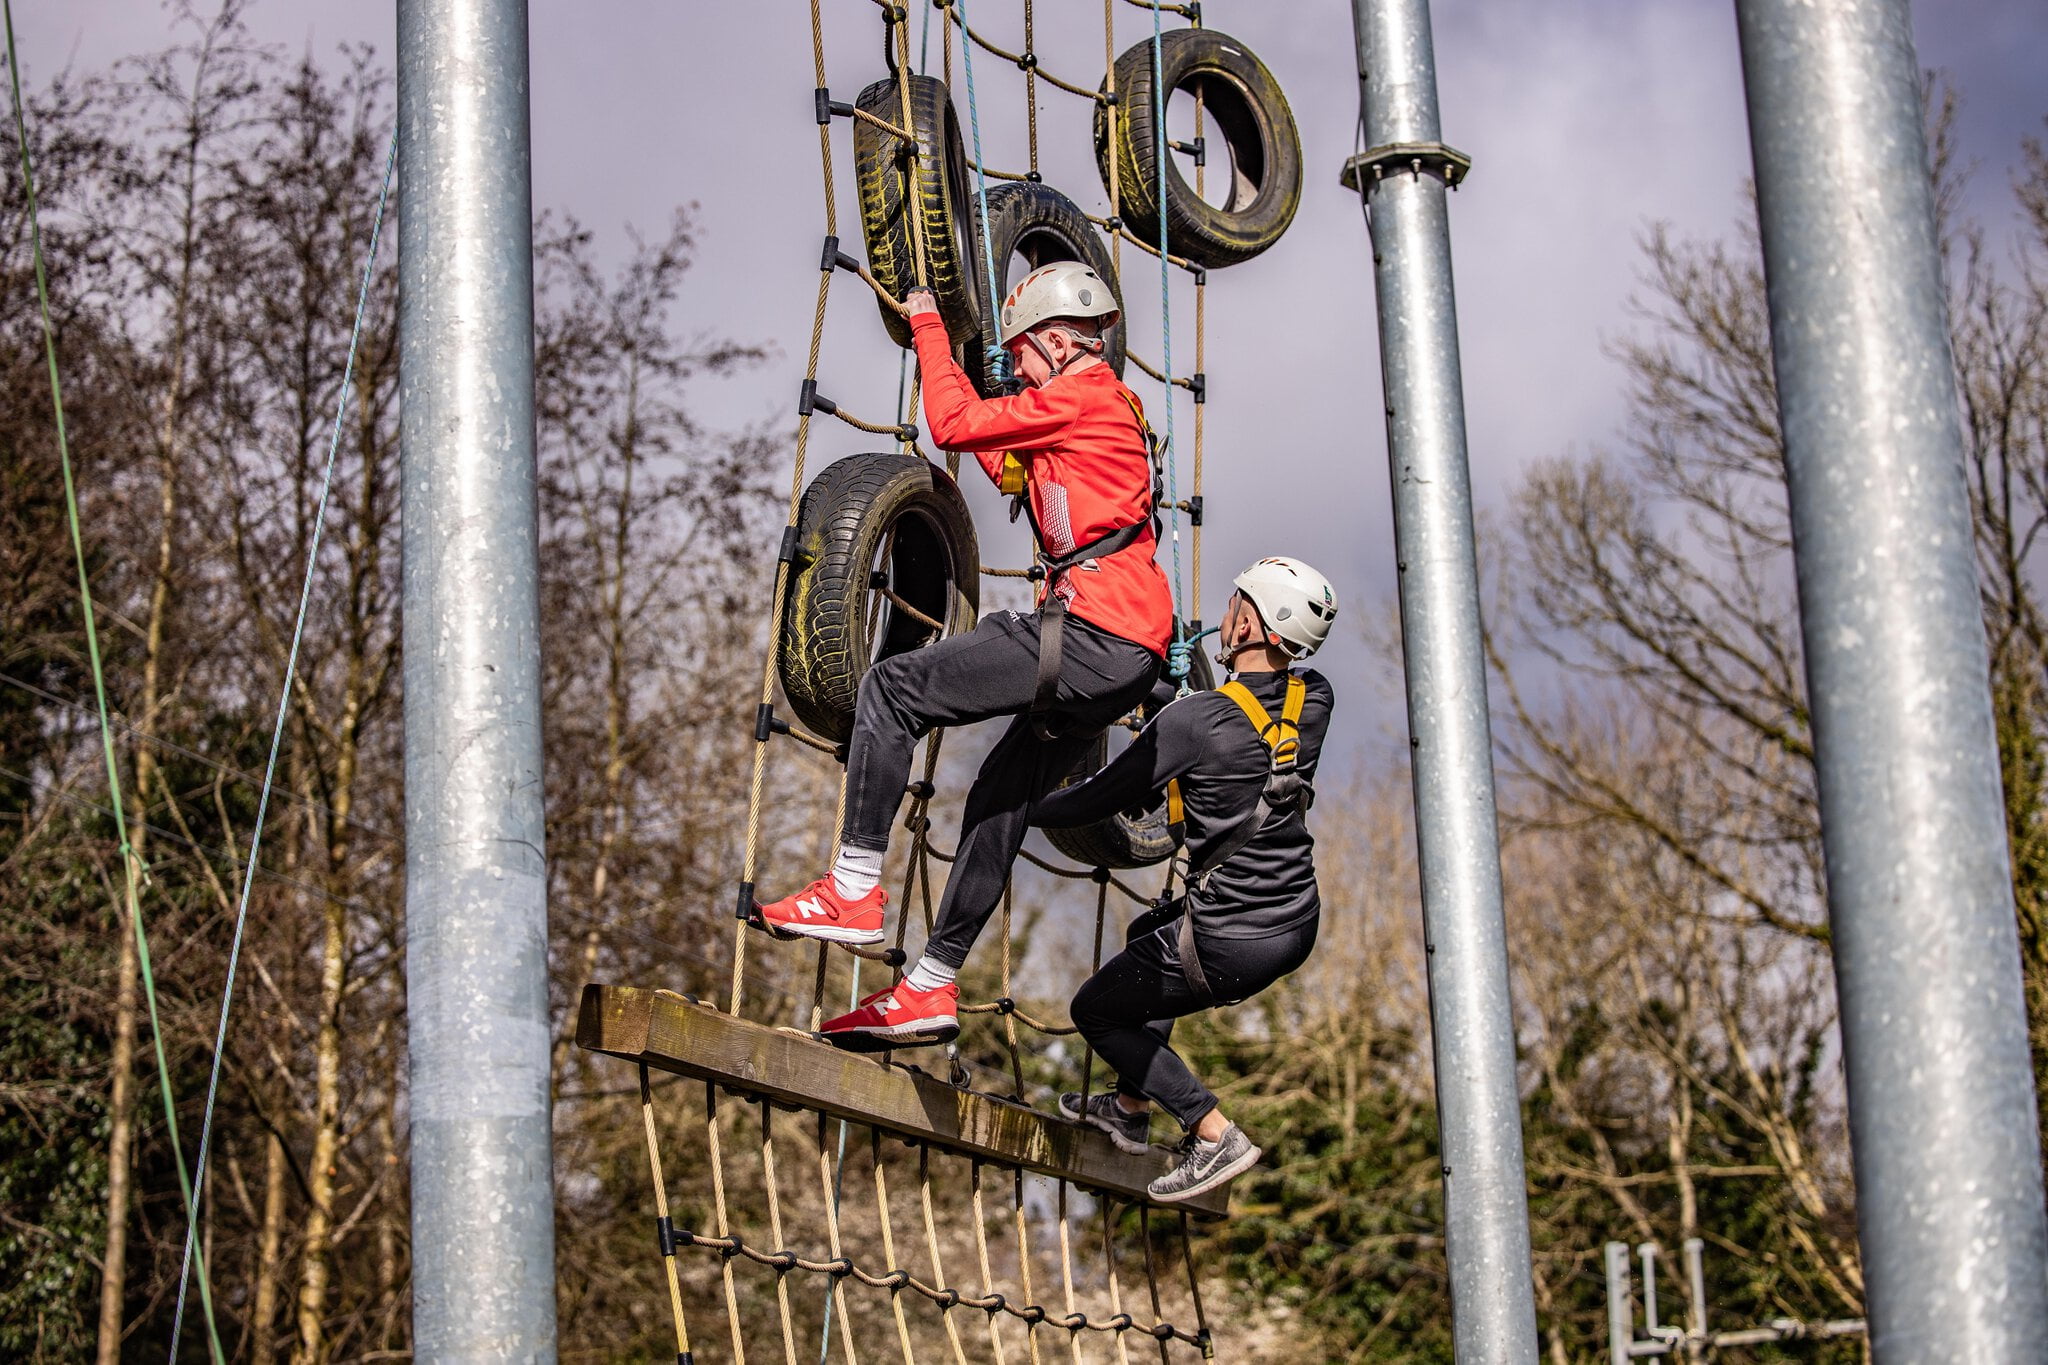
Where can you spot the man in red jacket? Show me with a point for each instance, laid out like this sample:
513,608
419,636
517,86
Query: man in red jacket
1087,656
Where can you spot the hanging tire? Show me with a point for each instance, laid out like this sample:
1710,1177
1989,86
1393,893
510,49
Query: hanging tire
1132,838
868,522
1029,226
940,195
1248,132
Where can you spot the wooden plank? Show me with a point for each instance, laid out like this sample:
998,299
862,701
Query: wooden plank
672,1033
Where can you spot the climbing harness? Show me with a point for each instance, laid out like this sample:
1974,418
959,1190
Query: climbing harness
1050,568
1285,792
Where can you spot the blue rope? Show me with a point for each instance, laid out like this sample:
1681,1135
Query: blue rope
1166,323
996,356
277,730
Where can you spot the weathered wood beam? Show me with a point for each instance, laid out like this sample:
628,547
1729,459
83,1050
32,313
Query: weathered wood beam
672,1033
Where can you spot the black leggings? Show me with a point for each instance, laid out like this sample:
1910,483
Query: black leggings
1126,1010
991,671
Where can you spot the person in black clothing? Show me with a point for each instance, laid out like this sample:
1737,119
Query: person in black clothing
1236,764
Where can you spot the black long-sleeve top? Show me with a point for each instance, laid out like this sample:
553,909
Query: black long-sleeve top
1207,742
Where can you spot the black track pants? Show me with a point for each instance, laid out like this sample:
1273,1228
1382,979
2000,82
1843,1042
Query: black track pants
991,671
1126,1010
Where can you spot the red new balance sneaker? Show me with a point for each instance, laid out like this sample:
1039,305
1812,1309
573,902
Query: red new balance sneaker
818,911
898,1017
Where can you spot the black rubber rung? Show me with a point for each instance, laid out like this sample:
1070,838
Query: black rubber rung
686,1358
786,552
1198,385
1036,573
743,907
1028,62
1195,12
908,431
821,100
806,397
1193,628
1034,177
1201,276
1112,98
894,957
923,791
830,256
1195,510
1005,1005
665,1235
1100,876
878,578
1114,222
766,723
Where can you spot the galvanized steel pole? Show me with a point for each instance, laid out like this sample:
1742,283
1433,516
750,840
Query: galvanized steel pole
1941,1108
1404,179
476,909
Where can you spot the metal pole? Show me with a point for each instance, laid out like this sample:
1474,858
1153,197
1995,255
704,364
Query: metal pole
1941,1104
476,908
1621,1326
1404,180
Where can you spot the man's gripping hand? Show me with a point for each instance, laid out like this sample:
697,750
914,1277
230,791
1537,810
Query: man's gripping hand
919,302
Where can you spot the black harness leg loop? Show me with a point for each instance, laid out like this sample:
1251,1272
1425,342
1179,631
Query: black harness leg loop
1052,617
1190,960
1052,621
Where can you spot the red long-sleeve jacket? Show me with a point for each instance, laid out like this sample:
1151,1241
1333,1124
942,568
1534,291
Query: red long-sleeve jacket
1088,473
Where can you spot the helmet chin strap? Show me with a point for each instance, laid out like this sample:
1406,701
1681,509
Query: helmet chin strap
1085,346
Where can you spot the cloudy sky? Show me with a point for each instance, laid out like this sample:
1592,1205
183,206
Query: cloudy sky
1587,120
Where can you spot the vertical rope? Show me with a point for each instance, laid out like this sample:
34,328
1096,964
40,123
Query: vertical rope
1152,1278
1009,1019
835,1178
1067,1277
931,1241
1194,609
994,357
1187,1255
837,1301
1031,88
668,1258
1166,315
988,1279
889,1246
725,1260
1111,112
1024,1267
751,857
775,1228
1116,1294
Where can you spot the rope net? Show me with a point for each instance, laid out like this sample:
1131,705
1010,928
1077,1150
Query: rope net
996,1310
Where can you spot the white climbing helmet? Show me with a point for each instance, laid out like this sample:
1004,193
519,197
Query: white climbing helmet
1294,601
1064,289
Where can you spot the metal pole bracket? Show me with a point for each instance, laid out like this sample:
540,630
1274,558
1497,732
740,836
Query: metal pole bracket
1413,157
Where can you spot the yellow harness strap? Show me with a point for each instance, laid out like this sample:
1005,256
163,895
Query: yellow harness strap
1282,737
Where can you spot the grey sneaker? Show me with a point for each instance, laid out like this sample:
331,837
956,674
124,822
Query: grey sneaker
1205,1165
1128,1131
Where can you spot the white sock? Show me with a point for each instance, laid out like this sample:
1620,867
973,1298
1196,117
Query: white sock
929,974
858,871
